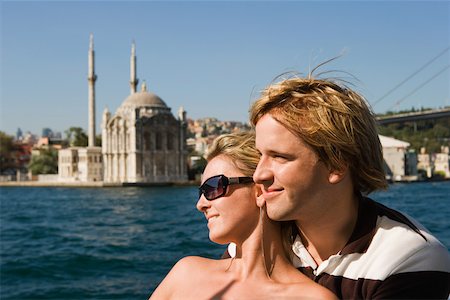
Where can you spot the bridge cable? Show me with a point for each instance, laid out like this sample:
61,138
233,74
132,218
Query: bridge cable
419,87
411,76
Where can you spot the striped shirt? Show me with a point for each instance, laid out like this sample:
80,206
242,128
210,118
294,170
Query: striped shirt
388,256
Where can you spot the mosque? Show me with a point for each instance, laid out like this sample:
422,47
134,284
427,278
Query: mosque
142,143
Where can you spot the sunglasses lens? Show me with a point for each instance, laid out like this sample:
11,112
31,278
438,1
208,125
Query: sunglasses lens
212,188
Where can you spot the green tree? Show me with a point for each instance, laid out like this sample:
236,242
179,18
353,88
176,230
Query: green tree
98,140
44,163
431,134
6,147
76,137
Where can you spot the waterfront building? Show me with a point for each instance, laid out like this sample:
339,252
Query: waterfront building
84,163
441,162
143,143
80,164
424,163
68,164
394,155
411,163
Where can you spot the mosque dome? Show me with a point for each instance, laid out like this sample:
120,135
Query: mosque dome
144,99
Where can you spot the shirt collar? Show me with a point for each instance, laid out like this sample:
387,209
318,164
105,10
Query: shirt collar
358,242
364,230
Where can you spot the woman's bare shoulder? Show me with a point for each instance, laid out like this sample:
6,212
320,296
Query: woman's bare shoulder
193,263
185,274
190,265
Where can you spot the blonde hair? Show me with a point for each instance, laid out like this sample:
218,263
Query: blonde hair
239,147
333,120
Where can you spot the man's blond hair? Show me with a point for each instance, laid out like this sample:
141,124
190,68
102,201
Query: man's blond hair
333,120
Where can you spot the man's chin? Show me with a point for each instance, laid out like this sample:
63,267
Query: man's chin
276,215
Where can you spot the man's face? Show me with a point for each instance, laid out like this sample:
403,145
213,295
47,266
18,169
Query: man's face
290,174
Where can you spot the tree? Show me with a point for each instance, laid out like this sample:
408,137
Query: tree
6,147
98,140
44,163
76,137
431,134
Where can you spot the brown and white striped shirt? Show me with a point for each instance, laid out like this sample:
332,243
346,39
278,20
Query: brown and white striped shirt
389,256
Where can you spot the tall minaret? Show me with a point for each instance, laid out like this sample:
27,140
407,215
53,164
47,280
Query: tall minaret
91,84
133,80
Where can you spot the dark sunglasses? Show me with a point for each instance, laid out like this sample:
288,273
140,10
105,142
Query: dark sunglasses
216,186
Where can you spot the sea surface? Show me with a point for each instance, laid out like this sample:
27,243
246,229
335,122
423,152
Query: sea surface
119,243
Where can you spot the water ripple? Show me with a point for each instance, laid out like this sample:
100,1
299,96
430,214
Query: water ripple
118,243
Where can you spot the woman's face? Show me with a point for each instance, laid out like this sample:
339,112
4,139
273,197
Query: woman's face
234,216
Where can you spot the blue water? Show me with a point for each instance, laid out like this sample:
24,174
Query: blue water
118,243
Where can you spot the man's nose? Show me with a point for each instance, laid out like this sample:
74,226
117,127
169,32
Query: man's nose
263,174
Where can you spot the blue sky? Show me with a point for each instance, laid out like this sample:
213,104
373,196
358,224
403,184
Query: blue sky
213,57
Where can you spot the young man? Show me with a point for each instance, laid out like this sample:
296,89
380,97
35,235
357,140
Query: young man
320,157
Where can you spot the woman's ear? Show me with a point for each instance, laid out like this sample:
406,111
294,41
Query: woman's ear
259,197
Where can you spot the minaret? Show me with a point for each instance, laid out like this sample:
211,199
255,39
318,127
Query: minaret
91,84
133,80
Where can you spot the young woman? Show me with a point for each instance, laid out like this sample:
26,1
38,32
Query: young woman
260,268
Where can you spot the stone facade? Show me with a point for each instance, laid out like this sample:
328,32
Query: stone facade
424,162
82,164
143,143
442,162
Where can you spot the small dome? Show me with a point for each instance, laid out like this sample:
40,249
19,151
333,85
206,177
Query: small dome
144,99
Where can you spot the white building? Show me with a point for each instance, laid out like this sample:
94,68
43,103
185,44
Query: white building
80,164
84,163
441,162
143,143
424,162
394,154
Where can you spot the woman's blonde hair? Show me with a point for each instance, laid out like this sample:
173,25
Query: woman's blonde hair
239,147
331,118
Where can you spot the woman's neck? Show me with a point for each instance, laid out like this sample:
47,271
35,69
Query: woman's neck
252,262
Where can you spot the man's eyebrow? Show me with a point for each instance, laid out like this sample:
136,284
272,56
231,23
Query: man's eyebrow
271,151
279,152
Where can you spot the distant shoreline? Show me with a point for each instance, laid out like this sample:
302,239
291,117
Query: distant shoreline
93,184
101,184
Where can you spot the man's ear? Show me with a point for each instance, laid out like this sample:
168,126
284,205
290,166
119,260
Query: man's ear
337,176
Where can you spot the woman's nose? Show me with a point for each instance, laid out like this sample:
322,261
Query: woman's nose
202,203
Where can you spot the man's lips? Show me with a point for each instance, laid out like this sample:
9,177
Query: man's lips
271,192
